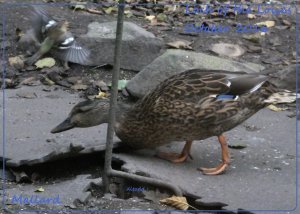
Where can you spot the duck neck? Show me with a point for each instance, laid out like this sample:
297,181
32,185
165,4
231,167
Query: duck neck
120,111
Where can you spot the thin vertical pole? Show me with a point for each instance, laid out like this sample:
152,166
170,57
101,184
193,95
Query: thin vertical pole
108,171
114,95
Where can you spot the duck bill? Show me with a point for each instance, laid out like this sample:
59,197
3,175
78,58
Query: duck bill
64,126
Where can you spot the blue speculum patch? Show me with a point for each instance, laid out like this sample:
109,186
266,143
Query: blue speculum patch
226,96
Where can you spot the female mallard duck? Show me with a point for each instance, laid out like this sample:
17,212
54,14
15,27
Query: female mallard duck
192,105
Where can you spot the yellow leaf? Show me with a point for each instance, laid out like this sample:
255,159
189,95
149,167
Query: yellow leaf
50,82
101,95
150,17
275,108
251,16
46,62
78,5
177,202
41,189
109,10
266,23
180,44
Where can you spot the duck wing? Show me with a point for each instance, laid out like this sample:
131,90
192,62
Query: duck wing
194,94
189,86
193,85
40,21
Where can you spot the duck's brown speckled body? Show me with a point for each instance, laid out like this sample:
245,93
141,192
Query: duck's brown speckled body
186,107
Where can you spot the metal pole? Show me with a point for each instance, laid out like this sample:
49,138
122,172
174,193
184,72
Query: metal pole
114,95
108,171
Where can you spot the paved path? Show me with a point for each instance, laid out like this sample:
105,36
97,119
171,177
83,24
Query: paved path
261,177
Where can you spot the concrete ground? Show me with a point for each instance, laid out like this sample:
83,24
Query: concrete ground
262,176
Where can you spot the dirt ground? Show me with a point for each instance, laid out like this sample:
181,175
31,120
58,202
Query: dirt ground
275,51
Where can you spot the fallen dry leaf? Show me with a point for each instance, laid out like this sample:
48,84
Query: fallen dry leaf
78,5
255,38
275,108
149,17
94,11
29,81
180,44
152,19
101,95
251,16
45,80
170,8
47,62
177,202
41,189
266,23
286,22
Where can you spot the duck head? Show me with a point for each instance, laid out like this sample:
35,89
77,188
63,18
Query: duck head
85,114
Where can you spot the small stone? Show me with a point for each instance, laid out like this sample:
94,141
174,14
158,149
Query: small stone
17,62
54,76
100,83
109,196
27,95
73,80
255,38
226,49
30,68
254,49
79,87
113,188
137,44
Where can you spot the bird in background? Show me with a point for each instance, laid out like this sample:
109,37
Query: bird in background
49,35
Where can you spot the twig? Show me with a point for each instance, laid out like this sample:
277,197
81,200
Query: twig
93,11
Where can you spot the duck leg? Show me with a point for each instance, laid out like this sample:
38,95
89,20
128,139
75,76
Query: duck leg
225,159
175,157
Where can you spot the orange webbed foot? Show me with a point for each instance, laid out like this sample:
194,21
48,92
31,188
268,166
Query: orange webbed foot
220,169
175,157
